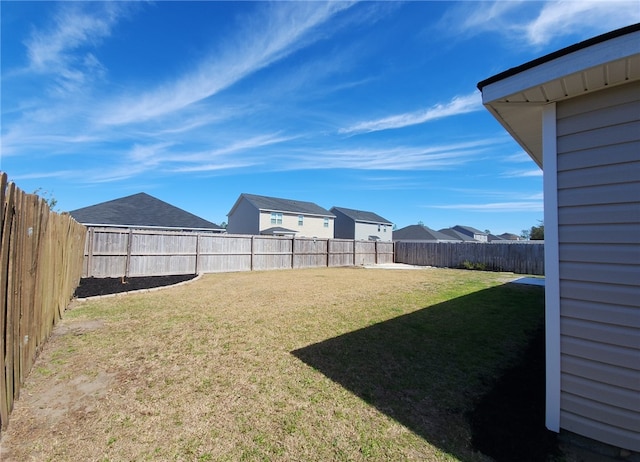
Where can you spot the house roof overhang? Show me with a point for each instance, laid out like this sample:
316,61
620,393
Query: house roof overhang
517,96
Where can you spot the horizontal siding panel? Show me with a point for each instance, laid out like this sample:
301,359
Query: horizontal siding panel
614,436
601,272
627,337
624,254
600,392
611,415
627,172
604,293
620,193
601,372
601,312
599,100
612,115
600,214
593,157
622,133
597,234
601,352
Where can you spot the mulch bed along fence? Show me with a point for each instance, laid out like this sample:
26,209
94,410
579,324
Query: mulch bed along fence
92,287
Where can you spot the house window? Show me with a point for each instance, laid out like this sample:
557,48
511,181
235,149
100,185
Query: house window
384,228
326,222
276,218
378,228
300,220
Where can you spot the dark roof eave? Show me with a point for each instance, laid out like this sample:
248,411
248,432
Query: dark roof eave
559,53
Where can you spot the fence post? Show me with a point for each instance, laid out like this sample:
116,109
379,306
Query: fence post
252,250
375,248
90,252
293,251
354,252
328,251
197,252
127,264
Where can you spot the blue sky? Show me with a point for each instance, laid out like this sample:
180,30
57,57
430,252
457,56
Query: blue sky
365,105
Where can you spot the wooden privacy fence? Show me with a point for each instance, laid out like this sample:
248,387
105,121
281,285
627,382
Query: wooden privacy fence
517,257
117,252
41,264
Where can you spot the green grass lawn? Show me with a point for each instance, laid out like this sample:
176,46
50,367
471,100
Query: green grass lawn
319,364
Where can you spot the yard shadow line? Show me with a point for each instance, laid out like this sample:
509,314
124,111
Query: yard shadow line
427,369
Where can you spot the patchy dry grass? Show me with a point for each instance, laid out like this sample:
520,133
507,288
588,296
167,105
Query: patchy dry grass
321,364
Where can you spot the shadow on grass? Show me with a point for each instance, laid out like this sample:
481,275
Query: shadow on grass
430,368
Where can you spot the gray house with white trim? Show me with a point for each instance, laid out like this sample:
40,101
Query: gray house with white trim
253,214
361,225
576,112
473,233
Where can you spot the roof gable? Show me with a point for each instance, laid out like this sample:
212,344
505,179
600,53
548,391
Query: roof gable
420,233
274,204
361,215
468,230
457,234
140,210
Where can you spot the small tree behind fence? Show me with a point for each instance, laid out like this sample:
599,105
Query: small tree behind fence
516,257
41,265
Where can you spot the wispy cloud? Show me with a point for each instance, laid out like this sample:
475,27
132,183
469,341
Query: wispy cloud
539,23
523,206
568,17
63,48
260,42
458,105
394,158
522,173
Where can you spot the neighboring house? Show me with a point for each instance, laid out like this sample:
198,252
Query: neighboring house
457,235
142,211
494,238
421,233
252,214
576,112
360,225
473,233
510,237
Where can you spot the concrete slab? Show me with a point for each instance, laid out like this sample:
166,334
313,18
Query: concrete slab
529,281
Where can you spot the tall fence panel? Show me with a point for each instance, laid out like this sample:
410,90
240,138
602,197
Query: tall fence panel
41,262
517,257
122,252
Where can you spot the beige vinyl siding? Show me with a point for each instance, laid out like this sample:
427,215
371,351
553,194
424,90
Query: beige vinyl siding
313,226
598,144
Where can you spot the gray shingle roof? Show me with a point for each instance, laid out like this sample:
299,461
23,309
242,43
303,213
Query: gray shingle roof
140,210
468,230
420,233
361,215
457,234
274,204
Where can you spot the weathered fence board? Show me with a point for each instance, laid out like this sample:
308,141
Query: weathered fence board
117,252
520,258
41,265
